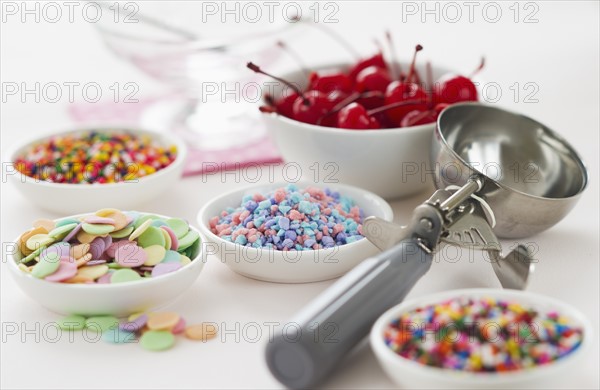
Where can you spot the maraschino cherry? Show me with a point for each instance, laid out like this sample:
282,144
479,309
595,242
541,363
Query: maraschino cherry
308,107
452,88
401,91
372,78
354,116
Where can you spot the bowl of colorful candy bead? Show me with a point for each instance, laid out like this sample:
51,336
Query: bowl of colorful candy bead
109,262
480,338
373,119
74,171
291,233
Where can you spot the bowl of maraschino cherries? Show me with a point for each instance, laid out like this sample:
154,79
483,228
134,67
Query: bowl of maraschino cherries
367,123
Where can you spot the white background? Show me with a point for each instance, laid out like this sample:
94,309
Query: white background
559,53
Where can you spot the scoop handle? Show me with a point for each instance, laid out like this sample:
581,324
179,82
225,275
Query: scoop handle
337,320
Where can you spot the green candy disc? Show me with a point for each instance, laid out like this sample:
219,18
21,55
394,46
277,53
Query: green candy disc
59,232
66,221
102,323
187,240
33,255
97,229
48,264
152,236
72,322
138,222
157,340
126,231
179,226
124,275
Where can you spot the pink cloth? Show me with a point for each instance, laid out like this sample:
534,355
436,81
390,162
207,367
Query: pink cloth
260,151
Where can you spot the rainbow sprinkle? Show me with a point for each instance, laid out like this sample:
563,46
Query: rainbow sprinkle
482,335
95,157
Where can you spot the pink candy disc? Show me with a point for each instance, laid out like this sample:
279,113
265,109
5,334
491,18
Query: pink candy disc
110,251
100,220
104,279
130,255
95,262
174,241
180,327
165,268
97,247
66,270
107,241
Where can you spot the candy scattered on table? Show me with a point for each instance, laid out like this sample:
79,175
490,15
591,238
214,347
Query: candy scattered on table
109,246
154,331
95,157
482,335
291,219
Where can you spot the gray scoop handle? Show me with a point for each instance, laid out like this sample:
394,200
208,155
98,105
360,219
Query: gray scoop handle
333,323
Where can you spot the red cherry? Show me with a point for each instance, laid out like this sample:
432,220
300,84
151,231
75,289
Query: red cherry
398,92
377,60
416,118
372,78
284,105
330,83
310,107
355,117
453,89
337,96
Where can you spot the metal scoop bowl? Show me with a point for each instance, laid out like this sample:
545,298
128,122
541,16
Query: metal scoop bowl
531,176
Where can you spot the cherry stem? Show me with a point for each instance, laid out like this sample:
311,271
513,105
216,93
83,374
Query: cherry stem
393,105
411,71
349,99
256,69
334,35
481,65
267,109
295,56
396,67
269,99
429,88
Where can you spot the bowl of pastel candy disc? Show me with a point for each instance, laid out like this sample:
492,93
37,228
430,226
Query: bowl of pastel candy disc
107,262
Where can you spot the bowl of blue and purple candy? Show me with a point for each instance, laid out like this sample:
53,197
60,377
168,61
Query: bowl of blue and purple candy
291,233
109,262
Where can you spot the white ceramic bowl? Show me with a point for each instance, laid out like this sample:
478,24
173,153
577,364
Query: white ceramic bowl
410,374
392,163
294,266
119,299
79,198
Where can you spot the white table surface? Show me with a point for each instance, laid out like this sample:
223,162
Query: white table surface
559,53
